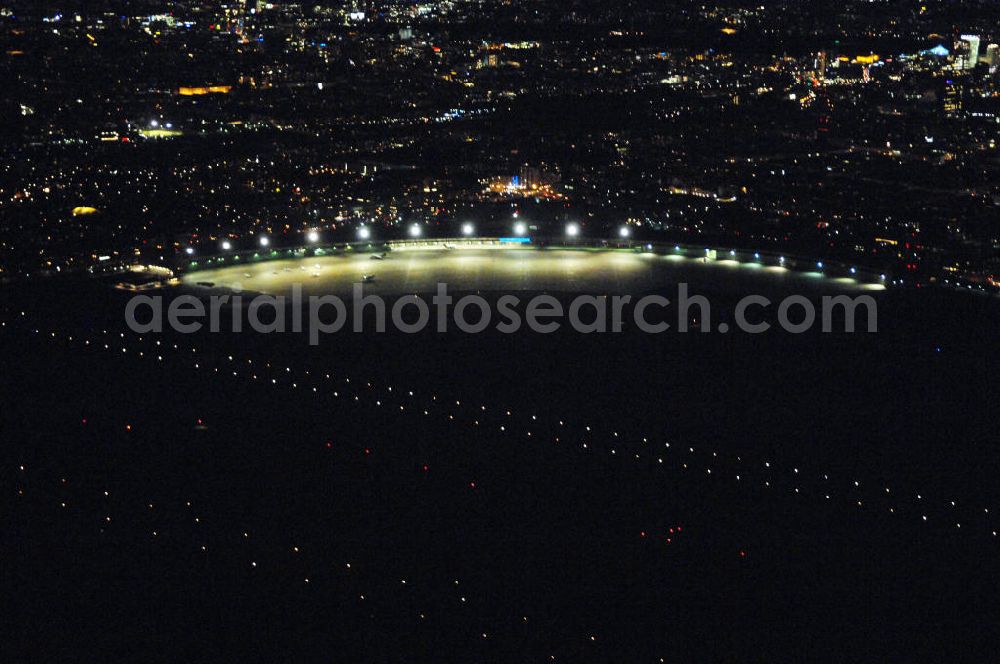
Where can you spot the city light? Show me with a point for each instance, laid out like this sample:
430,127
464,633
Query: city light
363,417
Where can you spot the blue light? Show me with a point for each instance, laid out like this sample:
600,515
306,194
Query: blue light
516,240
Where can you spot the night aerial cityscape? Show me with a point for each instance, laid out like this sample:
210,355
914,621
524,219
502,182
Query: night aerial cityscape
500,331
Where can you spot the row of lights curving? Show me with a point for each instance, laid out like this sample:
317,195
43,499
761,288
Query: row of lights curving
520,230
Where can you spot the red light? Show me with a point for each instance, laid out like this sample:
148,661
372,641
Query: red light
472,485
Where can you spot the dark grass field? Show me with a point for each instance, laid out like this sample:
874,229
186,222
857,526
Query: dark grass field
546,547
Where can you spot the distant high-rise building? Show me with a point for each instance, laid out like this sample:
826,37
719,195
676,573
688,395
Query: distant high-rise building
821,67
953,98
530,176
992,57
967,52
